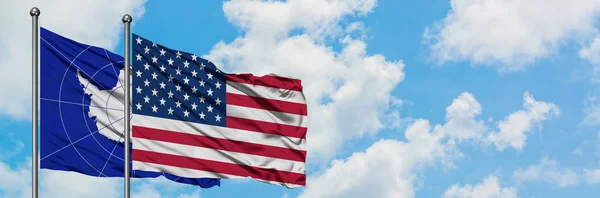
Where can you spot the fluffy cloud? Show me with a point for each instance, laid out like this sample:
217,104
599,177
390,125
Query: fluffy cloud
461,123
510,34
591,110
546,171
316,17
16,182
488,188
92,22
592,53
70,184
389,167
384,170
347,91
514,128
161,187
591,176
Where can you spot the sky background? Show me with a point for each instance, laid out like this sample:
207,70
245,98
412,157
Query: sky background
432,98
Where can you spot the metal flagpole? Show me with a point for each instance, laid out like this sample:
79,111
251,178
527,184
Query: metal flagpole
35,13
127,21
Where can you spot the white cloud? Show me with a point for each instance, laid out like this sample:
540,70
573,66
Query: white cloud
347,92
195,194
384,170
16,182
92,22
510,34
591,110
162,187
70,184
546,171
460,118
389,167
514,128
318,18
488,188
592,53
146,191
591,176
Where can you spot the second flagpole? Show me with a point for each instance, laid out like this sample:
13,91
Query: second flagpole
127,22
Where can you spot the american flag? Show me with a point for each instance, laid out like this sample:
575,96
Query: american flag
192,120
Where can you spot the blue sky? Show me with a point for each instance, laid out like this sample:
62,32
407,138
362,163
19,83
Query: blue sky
490,73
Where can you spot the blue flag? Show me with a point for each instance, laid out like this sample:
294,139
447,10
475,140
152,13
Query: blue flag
81,104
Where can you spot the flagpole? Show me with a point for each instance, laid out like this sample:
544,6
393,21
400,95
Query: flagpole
35,13
127,22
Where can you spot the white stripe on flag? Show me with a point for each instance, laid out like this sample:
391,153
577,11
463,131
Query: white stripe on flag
266,116
265,92
219,132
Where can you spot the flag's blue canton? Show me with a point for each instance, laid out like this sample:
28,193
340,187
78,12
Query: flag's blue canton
69,138
176,85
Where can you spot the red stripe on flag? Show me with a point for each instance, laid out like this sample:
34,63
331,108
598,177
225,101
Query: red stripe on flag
218,167
266,127
266,104
218,143
267,81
